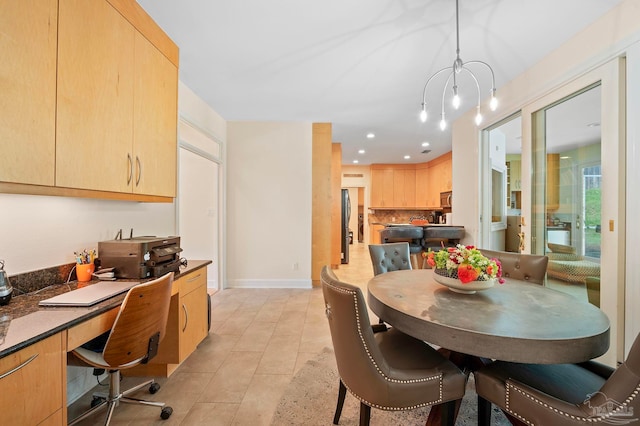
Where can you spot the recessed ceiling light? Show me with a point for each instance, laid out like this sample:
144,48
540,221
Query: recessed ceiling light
370,135
425,143
355,161
564,157
361,151
407,157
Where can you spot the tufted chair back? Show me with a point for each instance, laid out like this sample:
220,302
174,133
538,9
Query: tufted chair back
389,257
388,370
523,267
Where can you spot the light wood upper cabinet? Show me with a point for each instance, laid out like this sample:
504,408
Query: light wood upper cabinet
553,181
404,188
155,121
95,97
382,187
117,105
407,186
28,42
422,187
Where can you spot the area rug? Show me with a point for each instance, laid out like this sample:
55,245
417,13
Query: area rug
310,399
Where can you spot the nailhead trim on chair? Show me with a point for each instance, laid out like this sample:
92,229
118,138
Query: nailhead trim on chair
509,385
389,379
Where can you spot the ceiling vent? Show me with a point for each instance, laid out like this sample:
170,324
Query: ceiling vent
426,151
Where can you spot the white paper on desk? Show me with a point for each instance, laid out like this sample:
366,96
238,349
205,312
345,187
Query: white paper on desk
89,295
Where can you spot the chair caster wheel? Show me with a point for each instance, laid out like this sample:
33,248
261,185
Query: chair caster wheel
166,413
95,401
153,388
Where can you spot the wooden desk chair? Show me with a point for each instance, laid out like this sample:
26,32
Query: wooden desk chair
133,340
562,394
388,370
523,267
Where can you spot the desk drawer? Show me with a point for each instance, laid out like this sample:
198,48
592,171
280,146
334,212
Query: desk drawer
191,281
87,330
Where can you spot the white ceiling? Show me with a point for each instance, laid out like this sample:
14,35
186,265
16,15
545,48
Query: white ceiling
359,64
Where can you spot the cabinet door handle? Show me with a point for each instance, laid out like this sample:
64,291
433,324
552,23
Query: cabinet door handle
186,317
138,170
130,169
192,279
13,370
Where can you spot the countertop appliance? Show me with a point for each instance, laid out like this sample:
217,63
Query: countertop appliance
140,257
5,286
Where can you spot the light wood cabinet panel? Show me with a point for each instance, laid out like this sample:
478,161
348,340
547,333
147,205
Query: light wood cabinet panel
187,325
404,188
374,234
382,187
422,187
28,42
33,391
553,181
95,97
193,320
155,121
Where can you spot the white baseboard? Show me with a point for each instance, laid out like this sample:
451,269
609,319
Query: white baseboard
272,283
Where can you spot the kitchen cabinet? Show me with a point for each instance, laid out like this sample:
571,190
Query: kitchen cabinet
422,186
382,187
116,106
514,178
32,382
553,181
95,97
154,121
28,42
404,188
187,325
374,234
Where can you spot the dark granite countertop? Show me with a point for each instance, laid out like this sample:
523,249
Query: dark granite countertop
31,322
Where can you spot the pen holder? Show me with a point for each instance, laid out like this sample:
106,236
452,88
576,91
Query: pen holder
84,271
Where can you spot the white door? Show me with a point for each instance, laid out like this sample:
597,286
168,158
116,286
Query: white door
199,211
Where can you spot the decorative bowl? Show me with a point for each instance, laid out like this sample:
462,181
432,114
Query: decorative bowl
454,284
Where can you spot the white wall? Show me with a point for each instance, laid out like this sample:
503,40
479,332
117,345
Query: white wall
201,183
269,204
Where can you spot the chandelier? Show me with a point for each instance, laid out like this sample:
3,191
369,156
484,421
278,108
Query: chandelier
458,67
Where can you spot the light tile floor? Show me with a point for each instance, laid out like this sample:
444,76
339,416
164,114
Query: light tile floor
259,339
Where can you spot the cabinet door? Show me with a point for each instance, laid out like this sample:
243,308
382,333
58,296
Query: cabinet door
422,187
32,392
28,40
381,187
193,320
404,188
447,174
94,130
515,176
553,181
155,121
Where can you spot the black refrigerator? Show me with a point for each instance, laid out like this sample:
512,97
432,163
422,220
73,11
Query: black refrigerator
344,226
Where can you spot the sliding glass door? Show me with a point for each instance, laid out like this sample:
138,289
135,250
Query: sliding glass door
567,192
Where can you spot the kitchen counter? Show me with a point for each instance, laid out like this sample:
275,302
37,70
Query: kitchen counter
31,322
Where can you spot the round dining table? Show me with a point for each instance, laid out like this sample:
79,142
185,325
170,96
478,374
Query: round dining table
515,321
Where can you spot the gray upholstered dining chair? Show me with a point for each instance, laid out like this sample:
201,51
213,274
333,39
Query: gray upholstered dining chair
389,257
388,370
562,394
523,267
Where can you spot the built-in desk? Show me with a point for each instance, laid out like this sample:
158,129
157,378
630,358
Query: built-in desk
33,355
